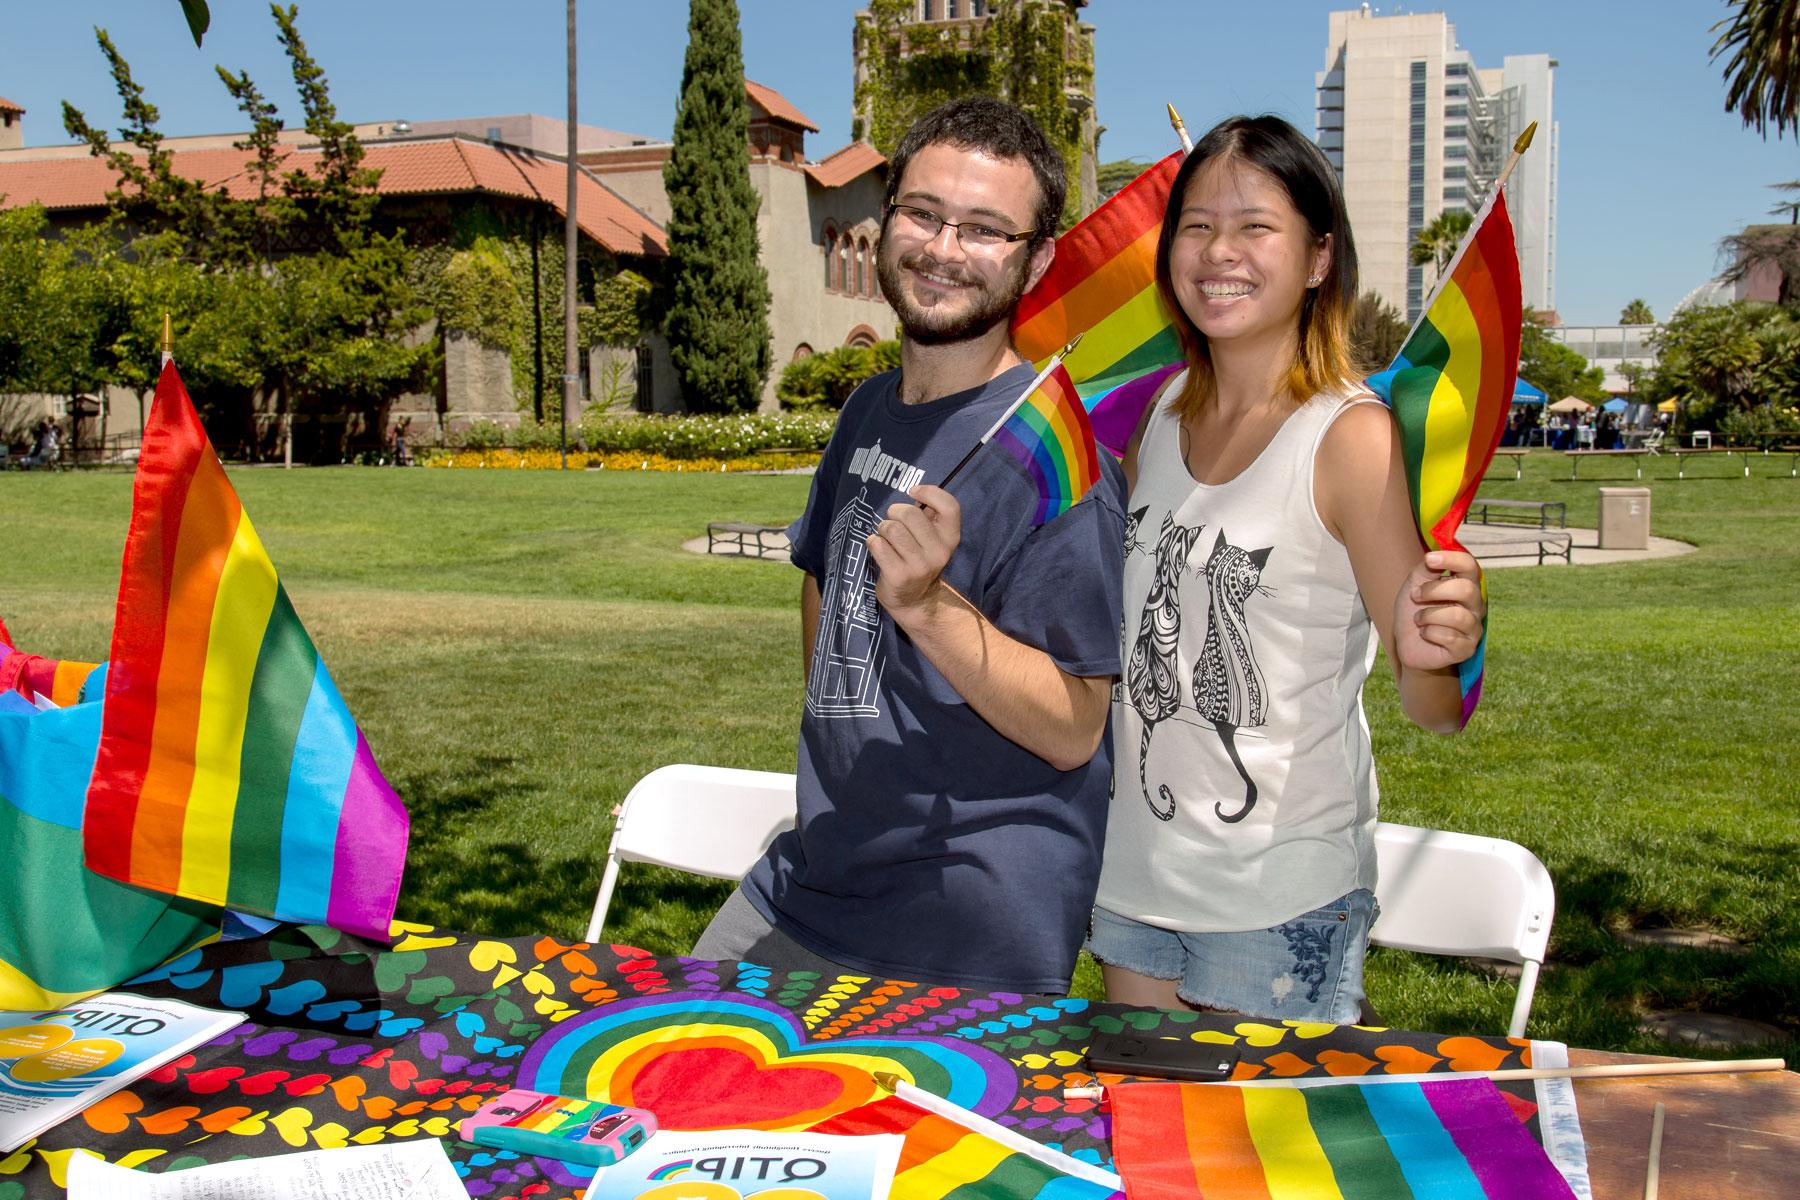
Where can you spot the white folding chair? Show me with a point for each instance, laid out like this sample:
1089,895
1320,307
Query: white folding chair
713,821
1459,894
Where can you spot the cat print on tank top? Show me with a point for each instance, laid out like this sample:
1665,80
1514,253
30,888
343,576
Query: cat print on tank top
1229,689
1133,519
1151,669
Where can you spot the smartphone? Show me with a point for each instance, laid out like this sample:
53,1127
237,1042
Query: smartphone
1163,1058
578,1131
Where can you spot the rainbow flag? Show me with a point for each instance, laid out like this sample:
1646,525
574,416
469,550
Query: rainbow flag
41,680
1451,388
229,769
1454,1139
65,932
1102,285
942,1158
1048,435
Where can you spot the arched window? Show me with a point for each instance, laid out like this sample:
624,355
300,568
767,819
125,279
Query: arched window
843,271
861,260
831,238
867,249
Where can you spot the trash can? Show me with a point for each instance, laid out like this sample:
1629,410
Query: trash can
1624,518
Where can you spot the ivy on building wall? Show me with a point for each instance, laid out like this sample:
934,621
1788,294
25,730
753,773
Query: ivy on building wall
1028,52
482,283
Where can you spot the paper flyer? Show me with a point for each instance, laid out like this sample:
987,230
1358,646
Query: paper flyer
743,1164
54,1064
411,1170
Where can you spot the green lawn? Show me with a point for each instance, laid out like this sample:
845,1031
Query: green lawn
521,646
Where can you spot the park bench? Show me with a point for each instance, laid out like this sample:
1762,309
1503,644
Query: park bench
1575,457
1517,454
1489,541
746,539
1483,509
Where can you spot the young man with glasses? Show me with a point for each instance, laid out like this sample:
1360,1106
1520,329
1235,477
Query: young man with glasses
953,769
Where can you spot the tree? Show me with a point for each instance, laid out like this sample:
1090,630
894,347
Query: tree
1789,208
1637,313
1762,74
717,319
1111,177
1730,358
1765,248
1437,242
1377,331
150,194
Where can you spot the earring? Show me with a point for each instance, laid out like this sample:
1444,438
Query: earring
1315,280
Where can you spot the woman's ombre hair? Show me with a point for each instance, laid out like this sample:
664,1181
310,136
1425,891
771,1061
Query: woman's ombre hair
1276,148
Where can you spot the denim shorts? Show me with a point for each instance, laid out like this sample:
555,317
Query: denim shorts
1306,969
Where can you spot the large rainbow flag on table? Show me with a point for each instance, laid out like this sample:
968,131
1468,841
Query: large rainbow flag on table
1102,285
65,932
1451,389
229,769
943,1159
1450,1139
1048,435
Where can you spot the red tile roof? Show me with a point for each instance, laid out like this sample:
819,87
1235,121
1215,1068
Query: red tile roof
849,163
8,106
778,106
436,166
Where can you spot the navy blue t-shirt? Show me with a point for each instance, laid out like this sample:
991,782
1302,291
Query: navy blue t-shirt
928,845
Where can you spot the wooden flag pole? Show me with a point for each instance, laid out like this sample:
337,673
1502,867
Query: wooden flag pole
1187,143
1011,1139
1012,408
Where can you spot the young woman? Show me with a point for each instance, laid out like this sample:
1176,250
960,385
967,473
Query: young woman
1270,540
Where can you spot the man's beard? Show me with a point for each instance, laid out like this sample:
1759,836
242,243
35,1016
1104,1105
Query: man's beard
989,304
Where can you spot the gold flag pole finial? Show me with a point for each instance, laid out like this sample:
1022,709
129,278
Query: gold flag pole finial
1187,143
168,336
1524,142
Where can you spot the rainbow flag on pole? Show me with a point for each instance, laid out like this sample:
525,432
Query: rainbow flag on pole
1048,435
1454,1139
1102,285
229,769
1451,388
944,1159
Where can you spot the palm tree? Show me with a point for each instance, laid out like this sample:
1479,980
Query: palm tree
1637,313
1437,242
1791,206
1762,75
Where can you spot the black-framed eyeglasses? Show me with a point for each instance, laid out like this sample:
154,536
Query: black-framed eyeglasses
925,224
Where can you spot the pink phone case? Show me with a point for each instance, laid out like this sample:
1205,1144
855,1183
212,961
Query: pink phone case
582,1131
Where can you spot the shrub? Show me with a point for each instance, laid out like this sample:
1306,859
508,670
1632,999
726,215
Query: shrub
826,380
708,437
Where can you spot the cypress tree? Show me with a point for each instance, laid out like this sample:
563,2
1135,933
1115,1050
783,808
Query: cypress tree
717,318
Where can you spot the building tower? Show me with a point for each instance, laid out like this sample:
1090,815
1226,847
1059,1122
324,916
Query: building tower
1415,128
12,125
912,55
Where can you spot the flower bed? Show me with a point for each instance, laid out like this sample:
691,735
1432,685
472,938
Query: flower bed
615,460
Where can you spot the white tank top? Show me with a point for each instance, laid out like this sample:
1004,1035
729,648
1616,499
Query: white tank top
1243,788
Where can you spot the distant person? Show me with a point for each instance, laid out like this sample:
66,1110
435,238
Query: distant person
1275,546
49,446
402,453
953,775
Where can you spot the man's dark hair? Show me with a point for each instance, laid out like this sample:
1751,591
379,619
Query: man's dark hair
999,130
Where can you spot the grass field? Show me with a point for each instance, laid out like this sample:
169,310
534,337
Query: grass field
521,646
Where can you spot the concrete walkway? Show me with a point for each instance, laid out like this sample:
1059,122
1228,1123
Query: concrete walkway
1497,546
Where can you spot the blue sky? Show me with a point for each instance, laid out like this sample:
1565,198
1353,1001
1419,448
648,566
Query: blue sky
1654,171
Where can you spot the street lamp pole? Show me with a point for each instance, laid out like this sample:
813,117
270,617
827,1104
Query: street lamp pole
571,376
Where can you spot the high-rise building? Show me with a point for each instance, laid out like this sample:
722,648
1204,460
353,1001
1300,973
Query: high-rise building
1415,128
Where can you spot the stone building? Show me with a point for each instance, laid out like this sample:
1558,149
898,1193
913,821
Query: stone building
816,227
427,185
